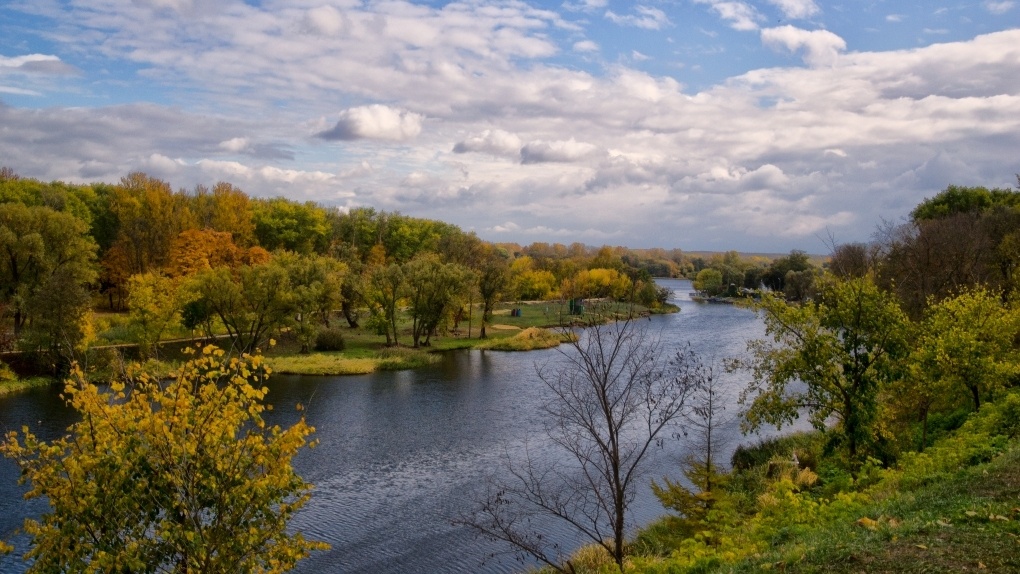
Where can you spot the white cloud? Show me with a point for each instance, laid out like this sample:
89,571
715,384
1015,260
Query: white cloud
35,63
325,20
375,121
645,17
796,8
235,145
495,142
556,151
820,47
586,46
740,15
999,8
894,18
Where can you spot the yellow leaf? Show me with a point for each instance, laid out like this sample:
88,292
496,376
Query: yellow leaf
868,523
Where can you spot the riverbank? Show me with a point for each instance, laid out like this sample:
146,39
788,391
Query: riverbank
788,507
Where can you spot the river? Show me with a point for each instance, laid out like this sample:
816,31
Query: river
399,452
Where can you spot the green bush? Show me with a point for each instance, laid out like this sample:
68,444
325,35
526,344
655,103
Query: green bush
329,340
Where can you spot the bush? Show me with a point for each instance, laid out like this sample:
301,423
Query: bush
329,340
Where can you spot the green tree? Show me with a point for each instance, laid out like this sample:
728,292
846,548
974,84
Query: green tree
178,476
966,343
284,224
709,281
387,286
316,283
432,287
493,281
830,357
46,264
250,301
155,302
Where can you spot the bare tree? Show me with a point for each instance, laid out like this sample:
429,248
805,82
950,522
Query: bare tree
614,397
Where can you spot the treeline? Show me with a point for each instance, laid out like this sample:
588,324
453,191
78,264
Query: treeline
216,259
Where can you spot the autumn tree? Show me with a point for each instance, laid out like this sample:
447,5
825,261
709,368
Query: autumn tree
613,396
829,358
195,250
227,209
167,476
149,216
155,302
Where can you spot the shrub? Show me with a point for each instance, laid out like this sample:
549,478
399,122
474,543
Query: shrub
329,340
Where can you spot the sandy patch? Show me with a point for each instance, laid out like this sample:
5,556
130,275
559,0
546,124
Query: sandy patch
504,327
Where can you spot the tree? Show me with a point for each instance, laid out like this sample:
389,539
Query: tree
155,302
775,277
709,281
284,224
493,281
387,288
966,343
830,357
431,288
182,476
705,488
46,263
250,301
315,282
613,399
195,250
226,209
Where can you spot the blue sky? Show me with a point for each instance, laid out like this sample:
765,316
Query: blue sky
700,124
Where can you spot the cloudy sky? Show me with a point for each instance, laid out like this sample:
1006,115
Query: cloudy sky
760,125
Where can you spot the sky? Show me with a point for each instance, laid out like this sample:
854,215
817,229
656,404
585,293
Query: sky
760,126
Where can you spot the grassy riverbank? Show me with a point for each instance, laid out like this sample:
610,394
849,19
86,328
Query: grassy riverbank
953,508
514,327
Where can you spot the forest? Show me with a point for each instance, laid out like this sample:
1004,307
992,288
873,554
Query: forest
135,263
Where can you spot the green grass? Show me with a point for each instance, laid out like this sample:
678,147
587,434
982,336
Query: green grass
953,508
17,385
529,339
966,522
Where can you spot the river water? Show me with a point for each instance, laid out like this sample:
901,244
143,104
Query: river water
400,453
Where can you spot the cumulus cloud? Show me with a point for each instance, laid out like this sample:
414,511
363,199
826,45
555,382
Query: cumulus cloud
325,20
820,47
644,17
796,8
375,121
740,15
496,142
999,8
556,151
586,46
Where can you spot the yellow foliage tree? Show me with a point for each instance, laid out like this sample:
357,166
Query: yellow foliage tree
184,476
